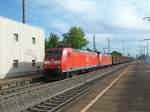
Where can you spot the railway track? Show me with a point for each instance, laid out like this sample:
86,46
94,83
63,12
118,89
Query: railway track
8,93
55,103
11,83
5,94
24,98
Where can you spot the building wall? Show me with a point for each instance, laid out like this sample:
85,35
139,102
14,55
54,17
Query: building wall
23,50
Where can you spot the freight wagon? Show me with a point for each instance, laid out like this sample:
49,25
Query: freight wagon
119,59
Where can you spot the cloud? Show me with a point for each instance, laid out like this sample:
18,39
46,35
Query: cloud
121,19
93,15
60,26
128,17
120,15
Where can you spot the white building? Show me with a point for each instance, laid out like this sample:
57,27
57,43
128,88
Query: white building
21,48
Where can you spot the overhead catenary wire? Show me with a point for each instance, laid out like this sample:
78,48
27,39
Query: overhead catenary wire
75,16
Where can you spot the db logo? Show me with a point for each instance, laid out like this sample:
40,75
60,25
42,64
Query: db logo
52,61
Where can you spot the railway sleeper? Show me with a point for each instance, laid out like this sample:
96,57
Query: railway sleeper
73,93
34,109
44,106
60,99
50,106
50,103
55,101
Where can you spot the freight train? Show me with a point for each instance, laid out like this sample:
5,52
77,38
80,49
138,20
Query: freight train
64,62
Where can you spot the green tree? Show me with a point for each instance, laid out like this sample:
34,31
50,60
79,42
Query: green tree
115,53
75,38
52,41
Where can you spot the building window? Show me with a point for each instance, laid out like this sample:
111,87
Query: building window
33,63
16,37
15,63
33,40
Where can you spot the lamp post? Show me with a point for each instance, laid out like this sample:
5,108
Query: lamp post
123,47
147,19
108,45
147,44
104,49
23,11
128,51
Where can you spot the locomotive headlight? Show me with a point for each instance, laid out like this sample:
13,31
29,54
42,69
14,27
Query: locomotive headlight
57,62
45,66
46,62
52,62
58,66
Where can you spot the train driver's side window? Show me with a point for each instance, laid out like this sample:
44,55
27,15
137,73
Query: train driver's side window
68,54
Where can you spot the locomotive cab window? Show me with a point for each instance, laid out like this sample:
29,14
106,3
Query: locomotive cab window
54,54
68,54
15,63
33,63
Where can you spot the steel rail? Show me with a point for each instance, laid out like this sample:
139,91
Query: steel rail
13,93
55,103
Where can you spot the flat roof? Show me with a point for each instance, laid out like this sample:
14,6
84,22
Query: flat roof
11,20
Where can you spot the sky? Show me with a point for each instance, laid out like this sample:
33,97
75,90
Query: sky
117,19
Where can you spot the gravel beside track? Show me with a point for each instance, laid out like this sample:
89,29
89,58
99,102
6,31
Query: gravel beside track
16,82
39,94
5,94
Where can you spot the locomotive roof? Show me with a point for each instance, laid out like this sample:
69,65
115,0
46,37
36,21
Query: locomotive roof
77,50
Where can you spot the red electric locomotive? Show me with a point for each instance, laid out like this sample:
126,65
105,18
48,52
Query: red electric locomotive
105,60
62,62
